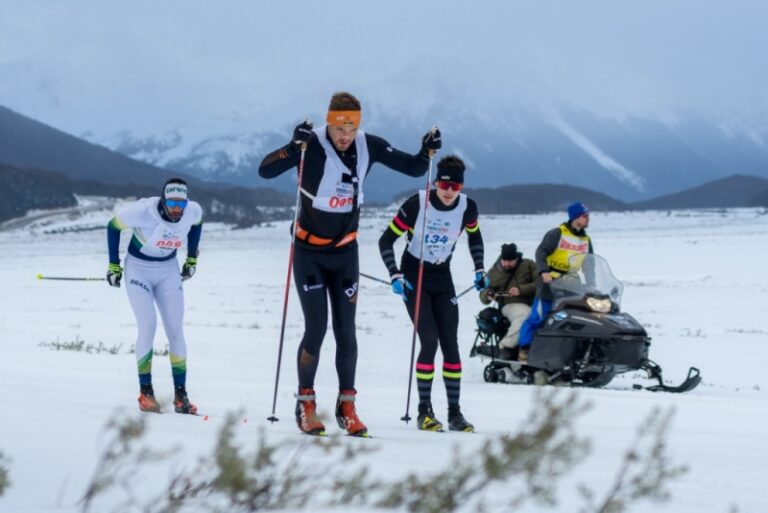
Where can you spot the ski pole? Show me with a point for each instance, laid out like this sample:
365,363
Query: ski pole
465,291
69,278
405,418
385,282
273,418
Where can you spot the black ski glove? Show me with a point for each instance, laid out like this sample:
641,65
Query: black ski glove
302,133
114,275
431,141
189,268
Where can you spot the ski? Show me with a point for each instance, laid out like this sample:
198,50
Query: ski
325,434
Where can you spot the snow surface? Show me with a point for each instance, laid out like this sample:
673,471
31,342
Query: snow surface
688,279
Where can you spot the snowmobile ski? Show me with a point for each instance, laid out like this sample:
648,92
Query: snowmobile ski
654,372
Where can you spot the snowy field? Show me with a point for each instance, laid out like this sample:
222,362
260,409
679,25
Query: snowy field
690,279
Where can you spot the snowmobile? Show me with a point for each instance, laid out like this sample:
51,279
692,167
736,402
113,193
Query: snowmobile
585,340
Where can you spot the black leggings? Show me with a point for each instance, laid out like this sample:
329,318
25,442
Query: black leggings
320,276
438,325
438,316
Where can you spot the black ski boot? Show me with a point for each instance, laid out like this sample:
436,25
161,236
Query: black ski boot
181,402
457,422
426,419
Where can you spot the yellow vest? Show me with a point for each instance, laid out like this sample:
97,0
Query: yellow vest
569,245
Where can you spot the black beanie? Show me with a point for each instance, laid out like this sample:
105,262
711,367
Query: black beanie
509,252
450,169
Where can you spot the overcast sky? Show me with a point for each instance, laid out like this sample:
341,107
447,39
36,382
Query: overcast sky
102,64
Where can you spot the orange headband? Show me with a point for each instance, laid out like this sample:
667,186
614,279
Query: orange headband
344,118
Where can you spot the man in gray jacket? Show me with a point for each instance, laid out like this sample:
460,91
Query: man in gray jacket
513,286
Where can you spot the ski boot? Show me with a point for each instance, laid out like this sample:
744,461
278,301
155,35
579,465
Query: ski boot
181,402
346,415
457,422
147,401
306,413
426,419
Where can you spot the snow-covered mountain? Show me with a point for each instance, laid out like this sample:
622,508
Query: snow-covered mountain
632,159
634,100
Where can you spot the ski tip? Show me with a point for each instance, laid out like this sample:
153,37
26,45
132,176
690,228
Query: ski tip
360,435
39,276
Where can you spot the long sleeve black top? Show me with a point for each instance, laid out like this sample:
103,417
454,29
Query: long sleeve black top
327,224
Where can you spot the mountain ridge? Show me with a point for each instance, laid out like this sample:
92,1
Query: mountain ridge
635,159
85,168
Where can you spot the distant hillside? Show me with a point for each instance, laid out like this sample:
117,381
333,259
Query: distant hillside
733,191
26,143
737,191
58,165
760,200
534,199
22,190
540,198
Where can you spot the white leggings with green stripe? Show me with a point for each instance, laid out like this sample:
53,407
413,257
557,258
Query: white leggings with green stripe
149,283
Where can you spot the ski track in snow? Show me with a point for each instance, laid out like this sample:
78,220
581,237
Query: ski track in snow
687,280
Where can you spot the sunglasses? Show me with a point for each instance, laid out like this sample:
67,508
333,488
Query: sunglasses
445,185
176,203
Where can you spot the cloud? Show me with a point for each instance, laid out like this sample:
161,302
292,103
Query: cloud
107,65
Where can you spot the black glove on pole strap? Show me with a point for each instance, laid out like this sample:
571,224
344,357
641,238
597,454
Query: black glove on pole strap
302,133
432,140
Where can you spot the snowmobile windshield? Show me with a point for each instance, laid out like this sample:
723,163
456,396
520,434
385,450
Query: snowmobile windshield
589,276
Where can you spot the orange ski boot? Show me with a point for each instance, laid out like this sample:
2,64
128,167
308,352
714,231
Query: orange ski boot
346,415
147,401
306,413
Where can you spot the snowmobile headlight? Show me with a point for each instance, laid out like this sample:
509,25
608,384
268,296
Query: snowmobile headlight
599,305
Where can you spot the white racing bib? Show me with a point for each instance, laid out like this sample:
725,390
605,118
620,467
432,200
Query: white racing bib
334,194
158,237
442,231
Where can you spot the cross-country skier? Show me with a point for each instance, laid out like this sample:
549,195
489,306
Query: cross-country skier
450,212
552,260
338,157
159,227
